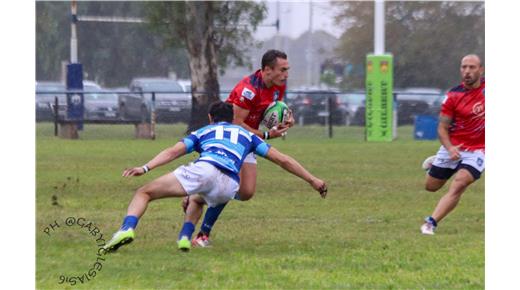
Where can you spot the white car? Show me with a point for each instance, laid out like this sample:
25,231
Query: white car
185,84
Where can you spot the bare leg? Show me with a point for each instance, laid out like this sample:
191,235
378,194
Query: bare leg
194,210
247,181
433,184
164,186
450,200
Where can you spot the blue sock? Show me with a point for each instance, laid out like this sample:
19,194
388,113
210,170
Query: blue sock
187,230
431,220
130,221
210,218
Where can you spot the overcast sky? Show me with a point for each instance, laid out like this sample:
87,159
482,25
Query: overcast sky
294,18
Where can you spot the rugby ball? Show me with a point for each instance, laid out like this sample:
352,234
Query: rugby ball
275,114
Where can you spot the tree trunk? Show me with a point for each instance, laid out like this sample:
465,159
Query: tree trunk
203,60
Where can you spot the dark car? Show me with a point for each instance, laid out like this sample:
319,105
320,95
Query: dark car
352,101
410,103
45,99
100,104
313,107
172,103
132,107
417,101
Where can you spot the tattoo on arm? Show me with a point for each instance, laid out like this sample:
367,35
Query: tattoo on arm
445,119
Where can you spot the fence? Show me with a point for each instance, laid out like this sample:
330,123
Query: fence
310,107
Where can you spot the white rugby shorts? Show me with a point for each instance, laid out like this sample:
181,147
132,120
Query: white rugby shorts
250,158
475,159
208,181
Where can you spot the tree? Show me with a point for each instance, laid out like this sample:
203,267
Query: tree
427,39
215,34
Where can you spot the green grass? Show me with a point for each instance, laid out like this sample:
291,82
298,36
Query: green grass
364,235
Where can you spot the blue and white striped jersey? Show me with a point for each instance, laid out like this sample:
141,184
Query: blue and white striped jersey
225,146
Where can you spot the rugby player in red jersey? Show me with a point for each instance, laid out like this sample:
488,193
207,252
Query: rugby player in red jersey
462,135
250,97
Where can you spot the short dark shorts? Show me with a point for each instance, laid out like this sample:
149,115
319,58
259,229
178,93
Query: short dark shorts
446,173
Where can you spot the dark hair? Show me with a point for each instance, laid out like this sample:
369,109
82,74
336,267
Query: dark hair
221,112
269,58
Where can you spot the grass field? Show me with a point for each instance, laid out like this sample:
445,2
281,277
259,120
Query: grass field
364,235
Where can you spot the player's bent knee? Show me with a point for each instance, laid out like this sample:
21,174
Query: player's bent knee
145,191
246,194
433,184
142,191
431,188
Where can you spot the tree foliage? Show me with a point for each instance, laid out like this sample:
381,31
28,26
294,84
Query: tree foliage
233,23
427,39
215,34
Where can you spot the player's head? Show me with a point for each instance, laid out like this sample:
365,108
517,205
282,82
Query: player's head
220,112
471,70
275,68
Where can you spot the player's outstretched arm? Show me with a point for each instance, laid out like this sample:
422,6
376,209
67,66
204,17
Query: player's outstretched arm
165,156
290,164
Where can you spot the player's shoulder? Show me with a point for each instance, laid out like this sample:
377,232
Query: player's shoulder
204,130
255,80
457,89
248,87
455,92
252,81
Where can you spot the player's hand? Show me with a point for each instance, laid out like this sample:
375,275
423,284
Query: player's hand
320,186
290,120
454,152
136,171
277,131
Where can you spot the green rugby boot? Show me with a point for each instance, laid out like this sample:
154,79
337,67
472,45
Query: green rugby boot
184,244
120,238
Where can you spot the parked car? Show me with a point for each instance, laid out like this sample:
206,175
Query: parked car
90,84
172,103
352,101
45,99
410,102
185,84
310,107
417,101
359,117
132,107
100,104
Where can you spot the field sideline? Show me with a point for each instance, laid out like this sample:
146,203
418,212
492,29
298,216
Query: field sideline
364,235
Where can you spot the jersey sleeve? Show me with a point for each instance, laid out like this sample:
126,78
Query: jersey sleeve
260,147
191,141
448,106
242,96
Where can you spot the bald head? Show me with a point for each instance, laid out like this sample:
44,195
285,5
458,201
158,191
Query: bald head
471,70
472,58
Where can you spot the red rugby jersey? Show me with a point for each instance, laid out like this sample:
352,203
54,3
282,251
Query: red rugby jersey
252,94
466,108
